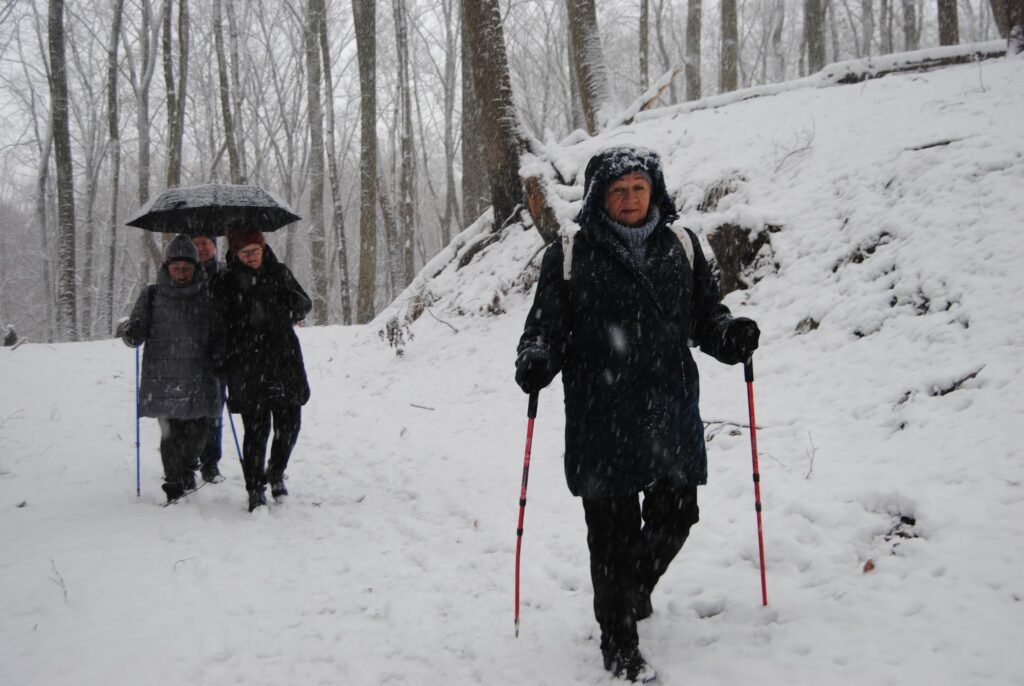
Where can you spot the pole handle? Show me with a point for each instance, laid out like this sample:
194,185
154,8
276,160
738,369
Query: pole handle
531,411
748,369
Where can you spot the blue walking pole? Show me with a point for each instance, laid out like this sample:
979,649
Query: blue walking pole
231,420
138,481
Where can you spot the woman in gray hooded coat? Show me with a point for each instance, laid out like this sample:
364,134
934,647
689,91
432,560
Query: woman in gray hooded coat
178,386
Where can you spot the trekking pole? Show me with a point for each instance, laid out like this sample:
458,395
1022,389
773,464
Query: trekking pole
231,420
748,374
138,478
531,413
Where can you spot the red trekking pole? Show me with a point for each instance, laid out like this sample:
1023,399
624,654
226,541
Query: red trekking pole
531,413
748,374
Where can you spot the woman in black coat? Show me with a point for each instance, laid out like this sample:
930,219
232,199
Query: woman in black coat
617,307
258,302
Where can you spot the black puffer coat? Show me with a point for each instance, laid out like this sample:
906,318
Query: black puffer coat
619,334
259,352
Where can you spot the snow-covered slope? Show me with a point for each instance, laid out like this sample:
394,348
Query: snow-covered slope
902,206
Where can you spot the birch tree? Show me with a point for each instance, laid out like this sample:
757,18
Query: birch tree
588,60
340,257
227,116
407,155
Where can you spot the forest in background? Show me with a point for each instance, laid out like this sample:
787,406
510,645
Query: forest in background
369,118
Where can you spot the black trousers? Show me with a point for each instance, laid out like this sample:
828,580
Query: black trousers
211,450
181,441
287,420
630,548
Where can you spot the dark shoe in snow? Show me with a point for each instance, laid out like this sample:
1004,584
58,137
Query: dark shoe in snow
173,490
278,489
629,665
643,605
211,474
189,481
257,498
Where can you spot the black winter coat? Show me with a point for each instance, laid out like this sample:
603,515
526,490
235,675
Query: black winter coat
619,334
178,379
258,351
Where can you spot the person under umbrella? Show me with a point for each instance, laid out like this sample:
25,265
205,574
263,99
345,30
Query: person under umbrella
205,240
614,315
257,303
178,385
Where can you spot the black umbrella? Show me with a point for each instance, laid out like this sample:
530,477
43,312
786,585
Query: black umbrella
213,209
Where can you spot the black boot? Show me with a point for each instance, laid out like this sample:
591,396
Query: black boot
643,605
211,474
257,498
628,664
174,491
189,481
277,488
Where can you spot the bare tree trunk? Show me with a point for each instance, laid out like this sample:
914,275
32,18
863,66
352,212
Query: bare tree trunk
314,112
407,171
175,92
392,241
337,216
499,123
591,71
364,17
1015,24
43,224
666,61
237,93
693,31
911,38
225,90
949,23
729,68
885,27
868,26
476,192
451,202
645,44
66,296
115,160
141,82
778,49
814,34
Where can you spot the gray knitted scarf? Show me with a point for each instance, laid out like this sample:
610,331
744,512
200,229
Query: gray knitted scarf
635,237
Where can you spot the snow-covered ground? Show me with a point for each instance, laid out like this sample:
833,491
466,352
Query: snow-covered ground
902,202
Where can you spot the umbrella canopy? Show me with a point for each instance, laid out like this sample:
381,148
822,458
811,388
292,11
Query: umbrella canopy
213,209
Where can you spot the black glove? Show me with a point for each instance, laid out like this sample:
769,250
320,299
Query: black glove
740,340
122,328
533,369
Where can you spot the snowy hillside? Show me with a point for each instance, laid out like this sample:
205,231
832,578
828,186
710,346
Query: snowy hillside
888,391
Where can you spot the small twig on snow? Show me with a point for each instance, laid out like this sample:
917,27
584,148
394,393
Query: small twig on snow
59,580
430,312
811,453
